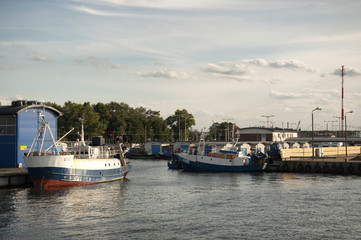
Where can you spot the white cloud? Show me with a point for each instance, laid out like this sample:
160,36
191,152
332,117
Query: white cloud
10,67
40,59
165,73
257,62
113,13
349,71
293,65
6,100
284,95
227,68
246,69
98,62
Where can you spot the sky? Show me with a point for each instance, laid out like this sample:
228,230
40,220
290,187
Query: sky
231,60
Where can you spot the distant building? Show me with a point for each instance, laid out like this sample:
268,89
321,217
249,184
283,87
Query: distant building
18,126
259,134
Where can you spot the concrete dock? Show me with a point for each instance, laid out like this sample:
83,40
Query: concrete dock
328,165
14,177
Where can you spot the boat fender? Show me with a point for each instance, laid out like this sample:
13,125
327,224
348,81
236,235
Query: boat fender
340,169
245,162
326,168
308,168
333,168
359,167
317,168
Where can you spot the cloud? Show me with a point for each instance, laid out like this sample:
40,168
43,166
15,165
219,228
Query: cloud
227,68
284,95
293,65
40,59
165,73
306,93
102,13
10,67
245,69
257,62
97,62
6,100
349,71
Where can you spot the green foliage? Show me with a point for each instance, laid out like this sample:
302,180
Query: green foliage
180,123
115,121
218,131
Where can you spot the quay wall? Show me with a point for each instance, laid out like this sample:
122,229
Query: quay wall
14,177
317,166
329,160
320,152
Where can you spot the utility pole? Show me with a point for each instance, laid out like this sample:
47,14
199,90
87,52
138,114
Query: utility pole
339,125
326,125
185,128
228,119
267,116
342,96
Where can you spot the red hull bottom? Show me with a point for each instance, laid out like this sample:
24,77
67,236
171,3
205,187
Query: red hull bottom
59,183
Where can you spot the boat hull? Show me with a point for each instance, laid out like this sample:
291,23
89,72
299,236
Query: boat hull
207,164
52,171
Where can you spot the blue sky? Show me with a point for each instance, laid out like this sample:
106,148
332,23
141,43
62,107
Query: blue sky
229,59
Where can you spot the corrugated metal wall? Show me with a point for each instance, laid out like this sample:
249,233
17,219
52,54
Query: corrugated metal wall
27,127
7,151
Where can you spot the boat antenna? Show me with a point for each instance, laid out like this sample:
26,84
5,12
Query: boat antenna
82,132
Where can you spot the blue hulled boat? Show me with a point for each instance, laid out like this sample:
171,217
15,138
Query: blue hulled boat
226,160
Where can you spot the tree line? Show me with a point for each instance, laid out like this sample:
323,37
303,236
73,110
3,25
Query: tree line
118,122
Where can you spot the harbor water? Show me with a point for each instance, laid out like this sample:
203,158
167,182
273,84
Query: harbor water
158,203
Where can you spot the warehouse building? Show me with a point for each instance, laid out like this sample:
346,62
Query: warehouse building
265,134
19,124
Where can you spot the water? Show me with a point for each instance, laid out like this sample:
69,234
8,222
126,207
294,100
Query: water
157,203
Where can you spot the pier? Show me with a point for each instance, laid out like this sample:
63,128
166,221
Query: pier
14,177
330,160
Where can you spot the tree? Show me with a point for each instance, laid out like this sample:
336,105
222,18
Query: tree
118,119
73,113
220,131
180,123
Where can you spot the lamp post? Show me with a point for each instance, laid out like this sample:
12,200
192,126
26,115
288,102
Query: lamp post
339,125
346,132
313,140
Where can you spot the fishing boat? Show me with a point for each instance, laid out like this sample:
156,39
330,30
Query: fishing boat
226,160
78,165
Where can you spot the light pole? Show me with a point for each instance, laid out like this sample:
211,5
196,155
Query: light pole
313,140
326,125
267,116
346,132
339,125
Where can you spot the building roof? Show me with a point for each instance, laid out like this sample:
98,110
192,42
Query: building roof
18,106
268,129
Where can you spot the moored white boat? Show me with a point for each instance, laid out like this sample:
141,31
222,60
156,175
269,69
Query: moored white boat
81,165
226,160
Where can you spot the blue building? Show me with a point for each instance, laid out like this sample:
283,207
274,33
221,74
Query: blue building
19,124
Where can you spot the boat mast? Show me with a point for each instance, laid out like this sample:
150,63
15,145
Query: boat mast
82,132
40,135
